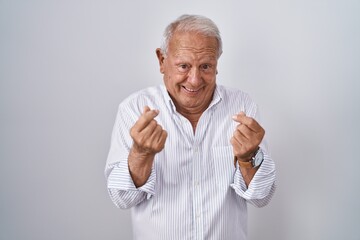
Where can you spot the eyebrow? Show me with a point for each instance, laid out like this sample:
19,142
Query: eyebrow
188,59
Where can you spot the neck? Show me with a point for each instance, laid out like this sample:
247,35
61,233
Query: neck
192,114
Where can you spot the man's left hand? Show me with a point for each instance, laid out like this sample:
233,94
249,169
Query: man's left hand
247,137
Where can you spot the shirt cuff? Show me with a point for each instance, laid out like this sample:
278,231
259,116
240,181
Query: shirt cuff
261,184
121,179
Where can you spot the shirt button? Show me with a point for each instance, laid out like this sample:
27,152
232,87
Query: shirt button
197,183
196,150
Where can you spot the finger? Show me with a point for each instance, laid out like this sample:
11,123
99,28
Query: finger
148,137
235,142
236,116
242,148
149,129
145,118
156,133
251,123
239,137
245,131
162,138
146,109
158,139
237,146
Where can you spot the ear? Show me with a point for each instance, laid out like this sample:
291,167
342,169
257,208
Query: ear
161,59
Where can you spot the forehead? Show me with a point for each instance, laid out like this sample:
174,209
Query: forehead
192,42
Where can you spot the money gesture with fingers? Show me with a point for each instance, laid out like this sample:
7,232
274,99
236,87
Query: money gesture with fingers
148,136
247,137
148,139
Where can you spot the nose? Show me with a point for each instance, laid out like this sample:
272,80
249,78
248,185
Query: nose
194,77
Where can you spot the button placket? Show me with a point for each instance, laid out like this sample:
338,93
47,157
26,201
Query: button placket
197,196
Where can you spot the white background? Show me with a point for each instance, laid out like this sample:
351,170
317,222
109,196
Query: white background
66,65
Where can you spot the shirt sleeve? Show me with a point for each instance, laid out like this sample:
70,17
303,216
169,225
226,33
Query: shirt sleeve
262,186
120,185
122,190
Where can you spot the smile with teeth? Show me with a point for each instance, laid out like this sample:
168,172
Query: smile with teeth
191,90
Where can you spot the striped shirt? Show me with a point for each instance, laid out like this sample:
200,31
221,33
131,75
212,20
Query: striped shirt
194,190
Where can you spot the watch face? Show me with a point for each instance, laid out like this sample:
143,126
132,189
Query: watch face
259,157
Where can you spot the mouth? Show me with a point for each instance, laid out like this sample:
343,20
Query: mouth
190,90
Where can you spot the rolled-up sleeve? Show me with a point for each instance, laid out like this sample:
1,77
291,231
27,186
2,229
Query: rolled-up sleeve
122,190
120,185
262,186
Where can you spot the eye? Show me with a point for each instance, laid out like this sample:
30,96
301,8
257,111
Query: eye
205,67
183,67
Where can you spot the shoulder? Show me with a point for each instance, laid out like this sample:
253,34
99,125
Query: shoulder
236,100
233,95
150,96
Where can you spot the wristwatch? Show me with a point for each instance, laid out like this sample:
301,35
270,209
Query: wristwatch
255,161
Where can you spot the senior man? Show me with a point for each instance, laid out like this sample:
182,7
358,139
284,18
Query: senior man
188,156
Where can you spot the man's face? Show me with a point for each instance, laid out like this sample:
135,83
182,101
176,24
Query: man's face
190,70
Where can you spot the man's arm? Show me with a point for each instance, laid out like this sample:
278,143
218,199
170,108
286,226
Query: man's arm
149,138
129,172
255,185
245,141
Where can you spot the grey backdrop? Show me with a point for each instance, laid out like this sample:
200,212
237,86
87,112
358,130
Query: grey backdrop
66,65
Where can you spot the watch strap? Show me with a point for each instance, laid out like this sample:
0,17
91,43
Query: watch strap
252,162
247,164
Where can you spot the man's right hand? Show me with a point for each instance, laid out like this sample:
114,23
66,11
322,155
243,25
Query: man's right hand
148,139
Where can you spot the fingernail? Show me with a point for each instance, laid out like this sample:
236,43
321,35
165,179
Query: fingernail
234,117
146,109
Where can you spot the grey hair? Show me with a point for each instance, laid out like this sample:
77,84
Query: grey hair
191,23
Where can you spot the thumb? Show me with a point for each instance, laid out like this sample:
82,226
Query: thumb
238,117
146,109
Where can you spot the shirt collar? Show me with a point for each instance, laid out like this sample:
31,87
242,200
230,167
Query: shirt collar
168,101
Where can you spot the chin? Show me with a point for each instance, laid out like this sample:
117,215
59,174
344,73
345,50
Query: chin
191,104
